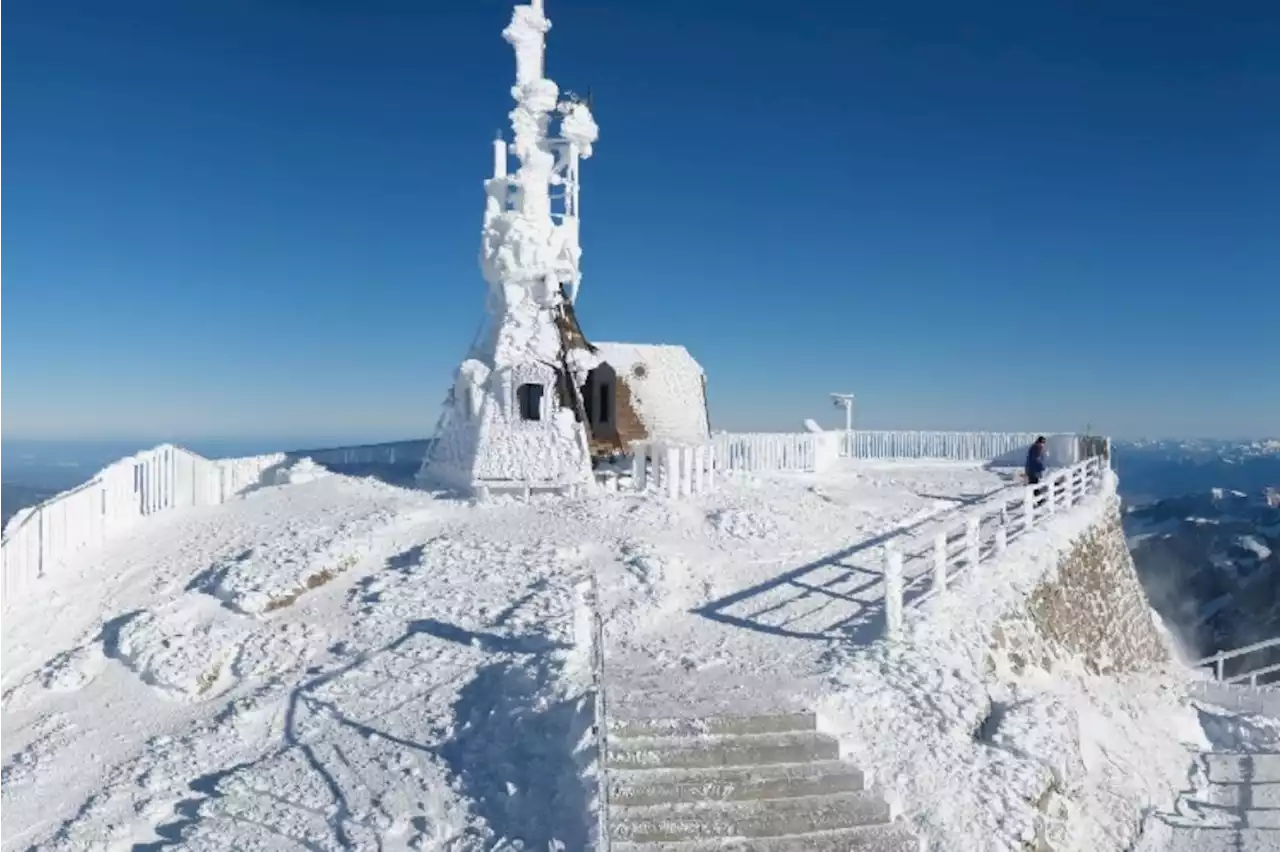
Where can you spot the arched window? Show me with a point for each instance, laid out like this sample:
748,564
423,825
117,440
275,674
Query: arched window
530,400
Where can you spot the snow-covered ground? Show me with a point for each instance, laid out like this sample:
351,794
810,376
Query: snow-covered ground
990,752
340,661
740,601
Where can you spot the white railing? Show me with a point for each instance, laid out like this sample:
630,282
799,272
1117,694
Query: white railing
39,540
950,446
810,452
781,452
591,633
390,453
928,560
673,470
1217,661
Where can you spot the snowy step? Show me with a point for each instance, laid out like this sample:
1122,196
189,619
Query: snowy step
770,723
1259,818
659,786
1243,768
760,818
1246,796
1220,839
887,838
748,750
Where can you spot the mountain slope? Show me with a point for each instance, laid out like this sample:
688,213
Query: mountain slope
1210,564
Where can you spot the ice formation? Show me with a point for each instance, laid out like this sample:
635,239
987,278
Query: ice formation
510,414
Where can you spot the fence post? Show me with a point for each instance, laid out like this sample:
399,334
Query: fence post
671,473
940,561
892,591
971,530
711,467
639,469
1218,665
1002,536
686,470
1051,492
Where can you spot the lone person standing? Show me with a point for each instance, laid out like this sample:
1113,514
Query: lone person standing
1035,461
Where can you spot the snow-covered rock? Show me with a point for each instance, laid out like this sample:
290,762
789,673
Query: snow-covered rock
184,649
302,470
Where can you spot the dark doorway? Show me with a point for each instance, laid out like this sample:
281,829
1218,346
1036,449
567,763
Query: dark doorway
599,400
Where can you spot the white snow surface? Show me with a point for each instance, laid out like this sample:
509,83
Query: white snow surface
983,757
426,692
302,470
1254,545
431,690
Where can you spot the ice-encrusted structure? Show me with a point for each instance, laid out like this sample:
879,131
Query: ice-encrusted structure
514,414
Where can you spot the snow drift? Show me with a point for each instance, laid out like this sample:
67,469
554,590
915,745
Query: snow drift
1036,707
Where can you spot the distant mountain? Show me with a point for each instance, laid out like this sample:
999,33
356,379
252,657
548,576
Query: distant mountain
14,498
1210,564
1152,470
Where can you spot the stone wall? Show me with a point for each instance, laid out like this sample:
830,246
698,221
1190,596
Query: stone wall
1091,609
1096,608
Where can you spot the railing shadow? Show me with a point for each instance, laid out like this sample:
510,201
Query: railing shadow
861,626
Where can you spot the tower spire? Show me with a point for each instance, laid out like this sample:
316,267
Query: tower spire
510,414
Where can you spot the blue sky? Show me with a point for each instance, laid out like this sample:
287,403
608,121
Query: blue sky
261,218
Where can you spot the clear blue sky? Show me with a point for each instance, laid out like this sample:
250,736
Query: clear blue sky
247,219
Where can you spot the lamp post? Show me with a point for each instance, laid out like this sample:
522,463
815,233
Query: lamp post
845,401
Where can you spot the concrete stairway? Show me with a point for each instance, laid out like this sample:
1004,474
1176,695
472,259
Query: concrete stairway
768,783
1239,810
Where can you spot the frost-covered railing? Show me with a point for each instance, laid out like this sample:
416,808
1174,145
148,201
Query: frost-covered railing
783,452
1218,663
674,470
592,632
390,453
925,563
40,539
809,452
949,446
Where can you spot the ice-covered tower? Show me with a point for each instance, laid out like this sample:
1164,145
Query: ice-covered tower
514,414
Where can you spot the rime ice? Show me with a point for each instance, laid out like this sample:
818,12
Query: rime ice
510,416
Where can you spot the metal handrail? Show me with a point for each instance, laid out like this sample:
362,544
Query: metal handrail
1252,676
1217,660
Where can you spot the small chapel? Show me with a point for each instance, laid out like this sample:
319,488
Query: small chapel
534,402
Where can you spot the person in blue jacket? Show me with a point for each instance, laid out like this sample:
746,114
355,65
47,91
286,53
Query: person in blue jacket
1035,461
